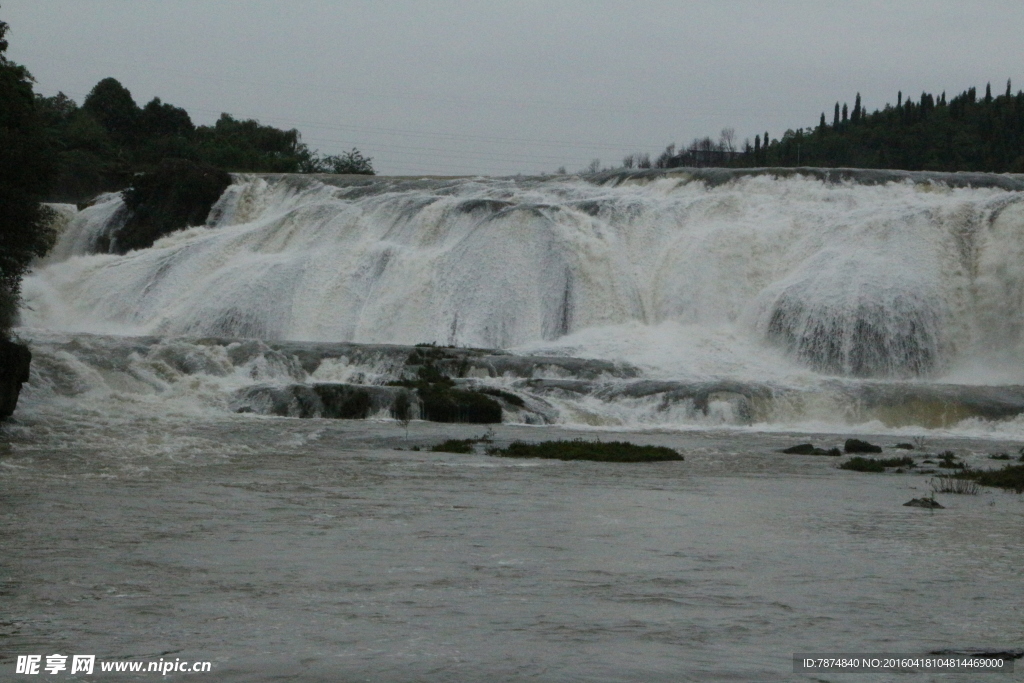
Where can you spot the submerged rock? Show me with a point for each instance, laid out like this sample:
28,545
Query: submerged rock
924,503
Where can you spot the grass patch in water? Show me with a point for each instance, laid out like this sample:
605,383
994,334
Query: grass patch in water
861,464
948,483
947,460
598,451
1010,477
454,446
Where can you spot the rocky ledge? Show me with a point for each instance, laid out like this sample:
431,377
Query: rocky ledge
14,364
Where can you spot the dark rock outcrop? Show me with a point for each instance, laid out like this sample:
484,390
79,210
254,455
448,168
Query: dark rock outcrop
809,449
14,366
924,503
330,400
858,446
175,195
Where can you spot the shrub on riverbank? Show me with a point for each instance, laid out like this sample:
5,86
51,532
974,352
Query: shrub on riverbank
599,451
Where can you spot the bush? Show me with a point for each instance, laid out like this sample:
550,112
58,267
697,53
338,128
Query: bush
599,451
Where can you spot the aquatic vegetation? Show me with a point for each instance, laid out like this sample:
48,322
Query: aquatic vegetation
1011,477
454,446
947,460
599,451
948,483
862,464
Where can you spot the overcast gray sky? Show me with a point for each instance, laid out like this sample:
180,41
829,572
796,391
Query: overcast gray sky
495,87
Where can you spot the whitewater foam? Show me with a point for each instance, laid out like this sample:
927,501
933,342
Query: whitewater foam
753,278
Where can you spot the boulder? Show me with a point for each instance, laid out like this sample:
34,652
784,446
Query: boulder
858,446
924,503
14,366
809,449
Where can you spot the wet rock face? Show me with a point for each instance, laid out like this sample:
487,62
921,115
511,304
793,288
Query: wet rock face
14,366
898,338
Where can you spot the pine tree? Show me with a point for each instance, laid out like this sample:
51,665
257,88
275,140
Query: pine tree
835,119
988,93
856,109
845,113
899,100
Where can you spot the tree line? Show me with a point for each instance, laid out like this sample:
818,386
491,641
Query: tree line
964,133
102,144
54,150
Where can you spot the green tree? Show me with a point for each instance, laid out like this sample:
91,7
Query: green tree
346,162
26,171
159,118
112,106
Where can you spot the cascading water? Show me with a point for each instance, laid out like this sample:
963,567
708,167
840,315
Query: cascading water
761,297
